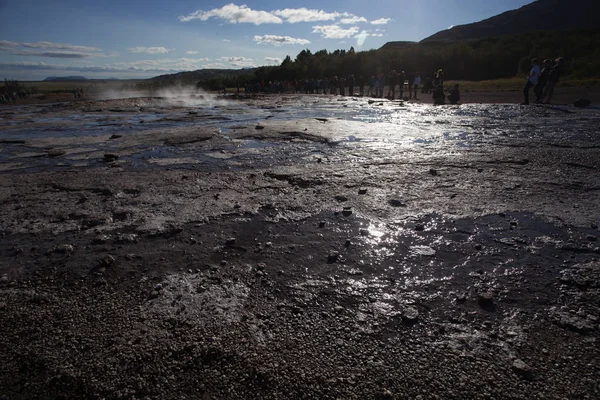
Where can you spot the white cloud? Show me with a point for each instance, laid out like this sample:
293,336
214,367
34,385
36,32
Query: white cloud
227,40
377,34
451,26
150,50
49,49
239,62
234,14
354,19
335,31
7,45
295,15
60,46
54,54
273,60
381,21
192,52
361,37
279,40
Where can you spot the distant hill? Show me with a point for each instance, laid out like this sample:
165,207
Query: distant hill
398,45
201,75
539,15
65,78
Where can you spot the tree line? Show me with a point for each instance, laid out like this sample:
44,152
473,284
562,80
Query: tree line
473,60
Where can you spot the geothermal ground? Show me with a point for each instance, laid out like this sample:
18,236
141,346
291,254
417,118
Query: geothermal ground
289,247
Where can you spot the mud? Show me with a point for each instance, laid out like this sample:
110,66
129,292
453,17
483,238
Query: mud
298,247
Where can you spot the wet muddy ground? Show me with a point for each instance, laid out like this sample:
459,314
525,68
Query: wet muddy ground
298,247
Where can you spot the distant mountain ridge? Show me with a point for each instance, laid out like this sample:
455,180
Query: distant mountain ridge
201,75
539,15
65,78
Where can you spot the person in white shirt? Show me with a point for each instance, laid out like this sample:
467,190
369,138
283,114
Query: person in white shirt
416,83
531,79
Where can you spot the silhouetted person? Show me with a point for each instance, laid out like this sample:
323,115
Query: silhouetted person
401,78
454,95
553,77
392,85
542,80
416,83
438,95
411,79
532,79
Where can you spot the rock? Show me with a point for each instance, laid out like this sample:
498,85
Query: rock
107,261
461,298
419,227
258,127
582,103
341,198
115,136
573,323
56,153
433,172
592,238
396,203
354,272
410,314
333,256
485,299
362,191
108,157
230,241
348,243
347,211
322,224
522,369
63,248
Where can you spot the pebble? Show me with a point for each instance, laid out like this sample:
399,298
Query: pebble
522,369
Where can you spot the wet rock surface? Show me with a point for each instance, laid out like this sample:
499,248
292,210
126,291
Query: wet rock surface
329,262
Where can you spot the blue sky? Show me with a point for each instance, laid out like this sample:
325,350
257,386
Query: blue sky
145,38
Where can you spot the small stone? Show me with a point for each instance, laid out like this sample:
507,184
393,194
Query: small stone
396,203
333,256
107,261
410,314
433,172
348,243
485,299
258,127
115,136
108,157
230,241
347,211
64,248
341,199
592,238
362,191
522,369
321,224
478,246
261,266
419,227
355,272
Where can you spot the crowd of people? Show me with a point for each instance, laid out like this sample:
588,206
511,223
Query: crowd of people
374,86
543,80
